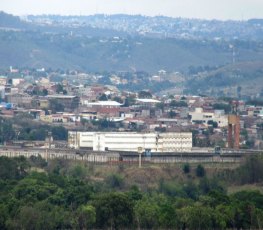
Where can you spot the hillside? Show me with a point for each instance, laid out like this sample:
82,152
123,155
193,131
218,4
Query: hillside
67,51
247,76
12,22
206,64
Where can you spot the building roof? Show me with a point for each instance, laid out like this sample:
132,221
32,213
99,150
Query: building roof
61,96
147,100
112,103
104,110
106,103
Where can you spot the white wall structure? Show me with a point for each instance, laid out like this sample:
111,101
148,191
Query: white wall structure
131,141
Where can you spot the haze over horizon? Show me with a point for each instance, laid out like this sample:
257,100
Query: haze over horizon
203,9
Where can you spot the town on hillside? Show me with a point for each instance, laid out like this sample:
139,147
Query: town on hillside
35,102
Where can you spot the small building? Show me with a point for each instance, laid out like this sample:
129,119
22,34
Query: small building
199,116
70,102
20,99
3,80
42,103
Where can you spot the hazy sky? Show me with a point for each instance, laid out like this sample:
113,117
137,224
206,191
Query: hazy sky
219,9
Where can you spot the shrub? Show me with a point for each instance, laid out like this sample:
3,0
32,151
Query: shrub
115,181
186,168
200,171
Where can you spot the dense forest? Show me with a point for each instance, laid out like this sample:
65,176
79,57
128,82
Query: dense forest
35,194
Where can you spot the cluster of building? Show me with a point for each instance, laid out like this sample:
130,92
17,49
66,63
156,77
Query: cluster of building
151,121
156,26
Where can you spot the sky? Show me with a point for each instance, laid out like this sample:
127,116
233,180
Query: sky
205,9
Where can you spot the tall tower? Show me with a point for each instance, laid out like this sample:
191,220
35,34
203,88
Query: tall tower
233,131
234,127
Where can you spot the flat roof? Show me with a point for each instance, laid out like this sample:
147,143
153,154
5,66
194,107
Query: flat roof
106,103
147,100
60,96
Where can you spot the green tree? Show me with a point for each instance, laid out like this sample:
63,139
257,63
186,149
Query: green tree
171,114
76,193
59,133
196,217
144,94
160,106
59,88
41,215
55,106
86,215
103,97
207,185
4,215
223,216
167,216
129,101
118,99
222,106
115,181
175,103
250,172
186,168
191,190
79,172
146,214
44,92
7,132
13,168
37,161
171,188
200,171
114,210
134,193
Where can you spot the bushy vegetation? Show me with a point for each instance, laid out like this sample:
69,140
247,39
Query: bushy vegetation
22,127
64,197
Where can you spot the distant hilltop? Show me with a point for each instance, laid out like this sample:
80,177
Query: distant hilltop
10,21
125,25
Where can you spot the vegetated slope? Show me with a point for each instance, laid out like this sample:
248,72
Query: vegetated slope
91,49
10,21
248,76
37,49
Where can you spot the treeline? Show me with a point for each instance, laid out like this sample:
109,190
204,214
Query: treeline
251,172
62,198
22,127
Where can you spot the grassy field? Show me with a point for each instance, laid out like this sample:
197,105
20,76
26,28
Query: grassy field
147,177
247,187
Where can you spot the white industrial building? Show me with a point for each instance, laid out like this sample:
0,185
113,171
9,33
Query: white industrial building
131,141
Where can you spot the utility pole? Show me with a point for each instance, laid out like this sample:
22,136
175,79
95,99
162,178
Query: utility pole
48,144
140,151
